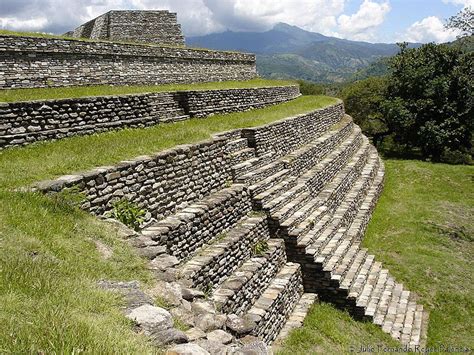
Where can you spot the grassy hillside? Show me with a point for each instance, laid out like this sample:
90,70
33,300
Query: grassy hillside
423,232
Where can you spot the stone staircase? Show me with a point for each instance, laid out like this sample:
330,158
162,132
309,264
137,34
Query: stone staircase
264,221
291,222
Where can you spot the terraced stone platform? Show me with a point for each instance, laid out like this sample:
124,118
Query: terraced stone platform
280,228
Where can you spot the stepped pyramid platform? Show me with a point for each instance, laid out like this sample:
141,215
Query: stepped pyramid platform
265,221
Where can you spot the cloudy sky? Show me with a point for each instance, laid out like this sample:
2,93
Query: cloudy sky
368,20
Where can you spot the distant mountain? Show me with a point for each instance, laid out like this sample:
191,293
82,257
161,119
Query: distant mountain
291,52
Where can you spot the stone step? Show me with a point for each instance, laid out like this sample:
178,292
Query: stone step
417,330
242,155
355,282
272,309
323,172
392,308
401,312
306,157
273,205
384,301
346,279
297,317
240,290
215,262
367,272
289,209
263,190
334,212
251,164
343,185
366,292
408,322
235,145
372,303
260,173
309,155
289,216
186,231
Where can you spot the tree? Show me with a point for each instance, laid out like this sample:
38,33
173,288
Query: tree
463,21
363,101
429,99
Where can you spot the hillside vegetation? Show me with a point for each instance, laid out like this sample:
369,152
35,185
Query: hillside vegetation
289,52
423,232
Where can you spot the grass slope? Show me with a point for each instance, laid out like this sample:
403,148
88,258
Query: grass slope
423,232
49,263
101,90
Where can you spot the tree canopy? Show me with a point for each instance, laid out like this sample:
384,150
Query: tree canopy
425,104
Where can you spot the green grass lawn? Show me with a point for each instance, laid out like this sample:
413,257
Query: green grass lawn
14,95
423,232
49,264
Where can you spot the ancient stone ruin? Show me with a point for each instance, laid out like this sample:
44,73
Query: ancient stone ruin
159,27
262,221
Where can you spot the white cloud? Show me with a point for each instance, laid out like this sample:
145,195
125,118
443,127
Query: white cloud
362,24
14,24
429,29
199,17
465,3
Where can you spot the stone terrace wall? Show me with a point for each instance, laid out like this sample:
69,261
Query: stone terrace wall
28,62
168,181
26,122
161,183
303,128
158,27
204,103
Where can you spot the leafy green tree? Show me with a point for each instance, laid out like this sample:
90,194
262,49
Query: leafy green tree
463,21
429,100
363,100
309,88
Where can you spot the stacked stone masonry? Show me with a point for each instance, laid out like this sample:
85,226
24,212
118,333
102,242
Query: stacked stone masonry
30,62
31,121
321,182
159,27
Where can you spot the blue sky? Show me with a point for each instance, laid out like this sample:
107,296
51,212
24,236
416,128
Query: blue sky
406,12
367,20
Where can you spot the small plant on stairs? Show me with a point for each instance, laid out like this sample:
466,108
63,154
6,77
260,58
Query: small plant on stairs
128,213
260,248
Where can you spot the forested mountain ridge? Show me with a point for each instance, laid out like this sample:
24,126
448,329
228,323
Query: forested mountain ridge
290,52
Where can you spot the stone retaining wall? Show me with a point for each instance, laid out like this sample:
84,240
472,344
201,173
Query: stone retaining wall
30,121
198,224
204,103
238,292
160,183
29,62
285,136
222,257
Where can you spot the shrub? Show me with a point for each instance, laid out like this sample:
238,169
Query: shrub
308,88
128,213
455,157
260,247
